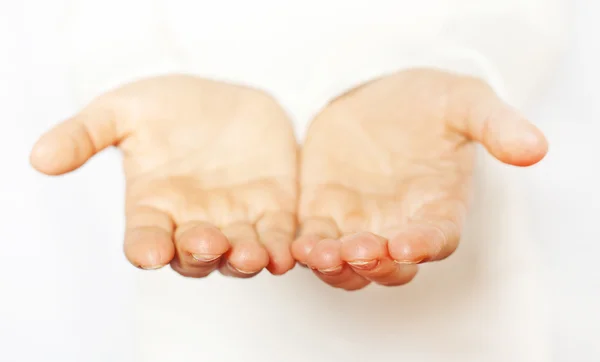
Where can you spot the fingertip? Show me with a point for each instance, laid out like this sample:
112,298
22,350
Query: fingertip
247,255
281,265
503,130
276,235
149,257
248,258
149,249
52,156
202,241
278,246
326,256
363,248
521,148
68,145
415,244
302,247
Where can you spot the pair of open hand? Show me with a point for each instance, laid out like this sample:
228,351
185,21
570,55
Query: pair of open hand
216,181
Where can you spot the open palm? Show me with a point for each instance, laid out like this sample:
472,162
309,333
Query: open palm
210,168
386,171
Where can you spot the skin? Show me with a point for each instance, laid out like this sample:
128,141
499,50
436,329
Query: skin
212,181
210,170
386,174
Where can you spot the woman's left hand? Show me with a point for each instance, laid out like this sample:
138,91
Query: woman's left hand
386,171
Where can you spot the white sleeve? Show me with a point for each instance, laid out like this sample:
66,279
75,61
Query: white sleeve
121,41
513,48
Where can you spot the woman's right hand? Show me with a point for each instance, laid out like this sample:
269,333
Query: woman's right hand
210,170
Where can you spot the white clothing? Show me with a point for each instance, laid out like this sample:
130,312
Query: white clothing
482,304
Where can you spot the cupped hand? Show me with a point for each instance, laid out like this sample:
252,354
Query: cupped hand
386,172
210,172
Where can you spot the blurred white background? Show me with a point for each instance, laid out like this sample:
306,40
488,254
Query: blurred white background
58,308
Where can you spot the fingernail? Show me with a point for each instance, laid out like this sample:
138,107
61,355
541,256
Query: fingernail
331,271
364,264
152,267
205,257
408,262
239,270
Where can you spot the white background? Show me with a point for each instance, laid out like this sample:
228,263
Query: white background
60,288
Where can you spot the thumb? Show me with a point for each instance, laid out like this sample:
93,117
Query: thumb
71,143
501,129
